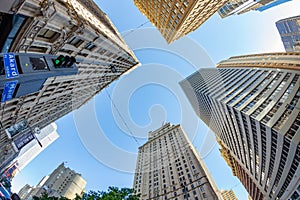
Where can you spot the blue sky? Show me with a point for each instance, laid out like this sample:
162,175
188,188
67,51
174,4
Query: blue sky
150,95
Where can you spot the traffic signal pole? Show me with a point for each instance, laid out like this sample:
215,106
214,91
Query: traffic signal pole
26,72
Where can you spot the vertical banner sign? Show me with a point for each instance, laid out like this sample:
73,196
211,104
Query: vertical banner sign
10,65
10,171
9,90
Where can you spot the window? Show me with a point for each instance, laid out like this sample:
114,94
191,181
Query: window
202,189
90,46
185,3
76,42
48,34
37,49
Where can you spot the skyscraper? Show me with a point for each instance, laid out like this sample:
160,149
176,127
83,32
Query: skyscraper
25,190
46,137
233,7
75,28
289,30
176,18
62,182
228,195
252,105
271,4
168,167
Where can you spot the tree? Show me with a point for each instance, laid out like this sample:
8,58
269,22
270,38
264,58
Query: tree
46,197
113,193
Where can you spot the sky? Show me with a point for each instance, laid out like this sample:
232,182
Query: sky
97,140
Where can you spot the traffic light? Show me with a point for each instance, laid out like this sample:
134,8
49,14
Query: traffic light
64,61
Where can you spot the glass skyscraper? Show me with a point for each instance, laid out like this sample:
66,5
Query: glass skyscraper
289,30
233,7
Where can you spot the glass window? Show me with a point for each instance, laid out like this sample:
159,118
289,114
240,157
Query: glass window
48,34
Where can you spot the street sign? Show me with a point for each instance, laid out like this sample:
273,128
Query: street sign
9,90
10,65
23,139
16,128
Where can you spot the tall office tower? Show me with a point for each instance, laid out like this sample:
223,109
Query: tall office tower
46,137
228,195
25,191
168,167
75,28
176,18
289,30
252,105
28,191
271,5
234,7
62,182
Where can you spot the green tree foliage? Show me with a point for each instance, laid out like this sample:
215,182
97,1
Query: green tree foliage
113,193
46,197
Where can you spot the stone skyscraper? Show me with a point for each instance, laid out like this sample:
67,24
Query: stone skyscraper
168,167
75,28
252,104
176,18
228,195
62,182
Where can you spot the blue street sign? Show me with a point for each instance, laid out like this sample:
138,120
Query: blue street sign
10,65
23,139
4,191
9,90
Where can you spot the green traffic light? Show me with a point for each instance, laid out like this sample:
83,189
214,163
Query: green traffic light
59,60
64,61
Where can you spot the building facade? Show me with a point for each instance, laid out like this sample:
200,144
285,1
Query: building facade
168,167
46,137
62,182
252,105
25,191
234,7
228,195
284,60
75,28
176,18
271,4
289,30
